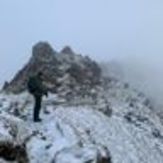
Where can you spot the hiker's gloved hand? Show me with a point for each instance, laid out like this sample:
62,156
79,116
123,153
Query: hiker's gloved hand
46,94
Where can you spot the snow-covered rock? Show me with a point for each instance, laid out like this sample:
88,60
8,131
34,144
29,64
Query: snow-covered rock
114,123
55,65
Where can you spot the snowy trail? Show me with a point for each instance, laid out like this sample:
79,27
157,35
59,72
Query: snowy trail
56,136
70,131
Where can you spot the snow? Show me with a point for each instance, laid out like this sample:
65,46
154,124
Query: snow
79,133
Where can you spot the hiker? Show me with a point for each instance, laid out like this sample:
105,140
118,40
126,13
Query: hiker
38,90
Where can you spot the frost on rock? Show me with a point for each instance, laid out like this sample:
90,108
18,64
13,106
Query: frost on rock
13,133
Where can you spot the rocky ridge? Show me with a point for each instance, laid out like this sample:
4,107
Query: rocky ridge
61,69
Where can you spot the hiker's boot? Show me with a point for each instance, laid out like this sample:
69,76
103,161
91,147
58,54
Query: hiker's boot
37,120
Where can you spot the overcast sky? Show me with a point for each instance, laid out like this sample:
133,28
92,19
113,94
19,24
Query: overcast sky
103,29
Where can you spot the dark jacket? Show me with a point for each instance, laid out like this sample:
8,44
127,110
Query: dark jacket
36,87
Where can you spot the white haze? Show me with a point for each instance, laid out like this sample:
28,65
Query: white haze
144,74
128,31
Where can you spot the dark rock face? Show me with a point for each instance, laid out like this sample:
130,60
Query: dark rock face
11,152
6,84
67,50
104,159
55,66
43,59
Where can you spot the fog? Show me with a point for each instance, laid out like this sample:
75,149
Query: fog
130,32
144,74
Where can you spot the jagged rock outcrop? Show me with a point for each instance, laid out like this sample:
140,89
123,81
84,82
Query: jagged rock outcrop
56,66
43,59
67,50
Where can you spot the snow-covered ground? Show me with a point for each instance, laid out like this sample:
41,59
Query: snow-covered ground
84,132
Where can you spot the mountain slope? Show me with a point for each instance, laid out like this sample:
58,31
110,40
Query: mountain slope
87,118
84,132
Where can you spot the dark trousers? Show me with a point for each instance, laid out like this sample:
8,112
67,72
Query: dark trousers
37,107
